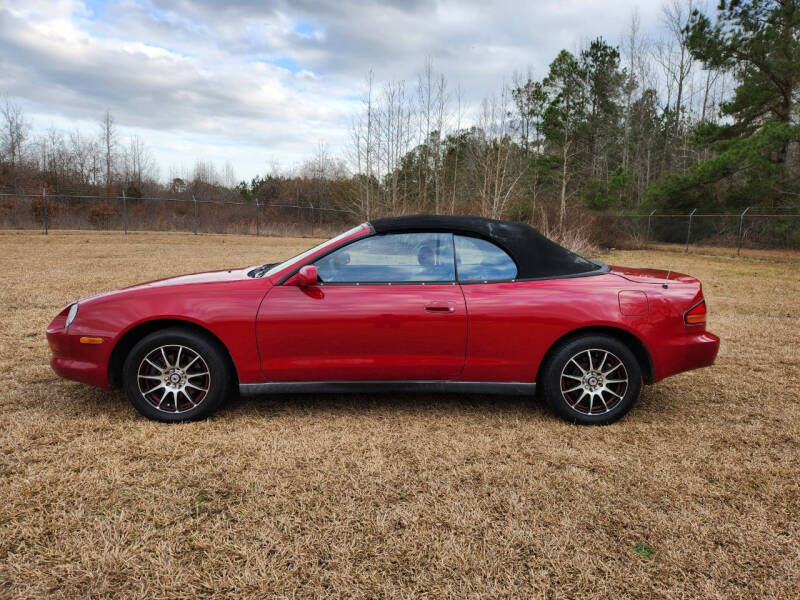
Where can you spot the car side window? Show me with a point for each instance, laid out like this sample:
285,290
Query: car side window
391,258
479,260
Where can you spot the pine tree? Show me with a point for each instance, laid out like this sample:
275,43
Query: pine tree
564,116
759,41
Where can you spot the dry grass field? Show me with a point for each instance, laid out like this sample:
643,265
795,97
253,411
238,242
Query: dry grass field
695,494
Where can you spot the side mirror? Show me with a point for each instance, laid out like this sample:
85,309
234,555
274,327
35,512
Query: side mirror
307,276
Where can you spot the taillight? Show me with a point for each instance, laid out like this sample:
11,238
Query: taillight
696,314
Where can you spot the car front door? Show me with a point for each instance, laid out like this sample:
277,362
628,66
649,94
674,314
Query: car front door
387,308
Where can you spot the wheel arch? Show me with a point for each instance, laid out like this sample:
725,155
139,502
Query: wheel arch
129,339
636,346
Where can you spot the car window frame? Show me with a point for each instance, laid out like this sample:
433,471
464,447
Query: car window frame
284,275
295,263
453,281
482,281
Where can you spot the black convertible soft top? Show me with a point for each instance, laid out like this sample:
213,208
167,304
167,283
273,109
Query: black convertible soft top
536,256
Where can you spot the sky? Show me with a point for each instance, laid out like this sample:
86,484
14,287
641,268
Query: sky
261,83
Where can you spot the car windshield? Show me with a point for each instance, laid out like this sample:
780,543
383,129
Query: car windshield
303,255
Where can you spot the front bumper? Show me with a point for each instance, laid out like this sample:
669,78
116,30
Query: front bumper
87,363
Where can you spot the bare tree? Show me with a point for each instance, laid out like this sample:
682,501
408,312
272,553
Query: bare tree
85,159
459,108
362,139
440,116
426,100
530,103
369,142
393,136
323,166
229,175
14,132
205,173
55,157
178,179
108,138
674,56
498,166
138,162
631,50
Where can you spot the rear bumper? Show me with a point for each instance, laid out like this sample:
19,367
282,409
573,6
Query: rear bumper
687,352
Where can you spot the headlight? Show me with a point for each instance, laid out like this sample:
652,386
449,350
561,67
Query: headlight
73,310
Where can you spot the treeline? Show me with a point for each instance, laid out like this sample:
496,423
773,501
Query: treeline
74,161
706,114
101,162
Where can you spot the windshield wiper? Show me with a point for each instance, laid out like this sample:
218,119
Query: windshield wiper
260,271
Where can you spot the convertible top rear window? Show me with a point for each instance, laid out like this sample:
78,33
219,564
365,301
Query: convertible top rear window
480,260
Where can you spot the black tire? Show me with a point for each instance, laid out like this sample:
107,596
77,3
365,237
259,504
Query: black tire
178,402
594,408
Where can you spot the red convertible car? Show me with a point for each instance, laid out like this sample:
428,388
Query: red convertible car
418,303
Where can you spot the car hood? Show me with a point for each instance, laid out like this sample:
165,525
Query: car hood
207,277
651,275
181,281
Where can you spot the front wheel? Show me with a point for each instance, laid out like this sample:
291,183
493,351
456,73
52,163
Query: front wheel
176,375
591,380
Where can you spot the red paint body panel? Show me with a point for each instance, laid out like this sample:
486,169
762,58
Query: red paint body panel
512,325
633,303
362,333
275,330
225,303
652,275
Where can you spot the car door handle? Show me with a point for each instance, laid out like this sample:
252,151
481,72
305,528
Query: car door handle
446,307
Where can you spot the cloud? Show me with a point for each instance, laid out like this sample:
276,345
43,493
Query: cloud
270,77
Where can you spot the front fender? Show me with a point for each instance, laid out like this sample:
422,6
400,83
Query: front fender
229,315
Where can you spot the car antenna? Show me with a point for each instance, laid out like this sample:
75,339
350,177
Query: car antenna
665,285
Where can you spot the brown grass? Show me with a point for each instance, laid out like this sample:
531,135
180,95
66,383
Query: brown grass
770,254
395,496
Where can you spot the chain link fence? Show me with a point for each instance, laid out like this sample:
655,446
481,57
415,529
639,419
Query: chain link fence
194,215
754,227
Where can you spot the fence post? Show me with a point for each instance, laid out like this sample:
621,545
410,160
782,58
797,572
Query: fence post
647,235
741,229
311,206
258,218
124,213
689,230
194,199
44,209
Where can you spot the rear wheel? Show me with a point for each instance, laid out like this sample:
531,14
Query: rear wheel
176,375
591,380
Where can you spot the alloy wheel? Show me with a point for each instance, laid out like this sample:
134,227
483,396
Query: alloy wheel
594,381
173,378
